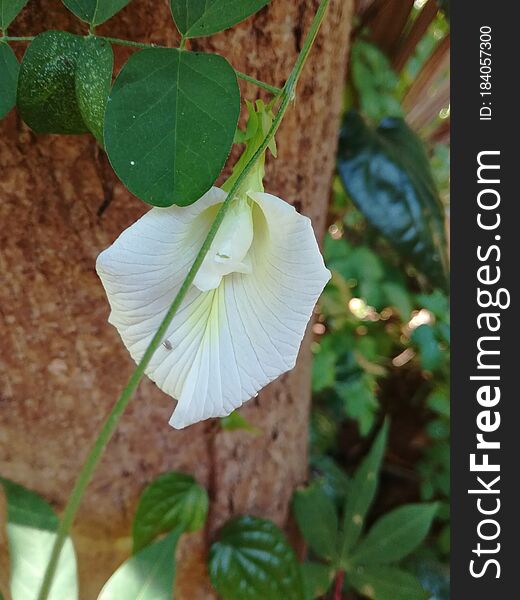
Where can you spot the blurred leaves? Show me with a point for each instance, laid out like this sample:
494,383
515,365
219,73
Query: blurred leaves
31,532
362,492
386,173
147,575
375,81
385,583
316,516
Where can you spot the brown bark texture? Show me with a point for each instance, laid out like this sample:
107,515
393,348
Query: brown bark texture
62,365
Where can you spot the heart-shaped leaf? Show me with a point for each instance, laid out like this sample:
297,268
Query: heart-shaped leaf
148,575
95,12
9,9
9,69
173,500
253,561
395,535
31,531
63,83
170,123
383,583
362,491
317,578
386,173
197,18
317,519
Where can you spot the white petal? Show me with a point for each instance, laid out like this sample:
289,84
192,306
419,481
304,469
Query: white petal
225,344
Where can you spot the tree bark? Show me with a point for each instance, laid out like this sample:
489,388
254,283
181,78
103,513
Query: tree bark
62,366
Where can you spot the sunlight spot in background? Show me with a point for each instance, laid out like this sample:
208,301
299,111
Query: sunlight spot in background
403,358
444,113
335,231
421,317
318,328
418,4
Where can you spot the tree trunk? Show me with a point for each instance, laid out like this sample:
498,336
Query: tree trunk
62,365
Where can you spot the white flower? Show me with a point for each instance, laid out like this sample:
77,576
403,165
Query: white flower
241,324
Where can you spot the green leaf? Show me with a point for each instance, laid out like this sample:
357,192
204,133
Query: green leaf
198,18
170,123
235,421
316,579
362,492
95,12
148,575
9,9
173,500
93,81
31,531
316,516
9,69
385,583
253,561
395,535
323,369
386,173
430,353
63,83
375,81
398,297
359,401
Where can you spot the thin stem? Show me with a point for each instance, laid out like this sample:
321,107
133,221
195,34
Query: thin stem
10,38
338,585
112,420
119,42
266,86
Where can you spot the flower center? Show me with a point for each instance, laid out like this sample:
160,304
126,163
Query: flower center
229,250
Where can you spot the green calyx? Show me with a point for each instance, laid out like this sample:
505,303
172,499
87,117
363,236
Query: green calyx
258,124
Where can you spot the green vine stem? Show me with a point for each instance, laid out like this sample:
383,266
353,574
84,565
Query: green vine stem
110,424
118,42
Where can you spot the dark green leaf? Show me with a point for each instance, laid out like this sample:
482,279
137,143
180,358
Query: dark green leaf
395,535
170,123
332,478
31,531
63,83
386,583
316,516
173,500
253,561
316,579
197,18
362,491
387,174
148,575
95,12
9,68
8,11
359,401
93,81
